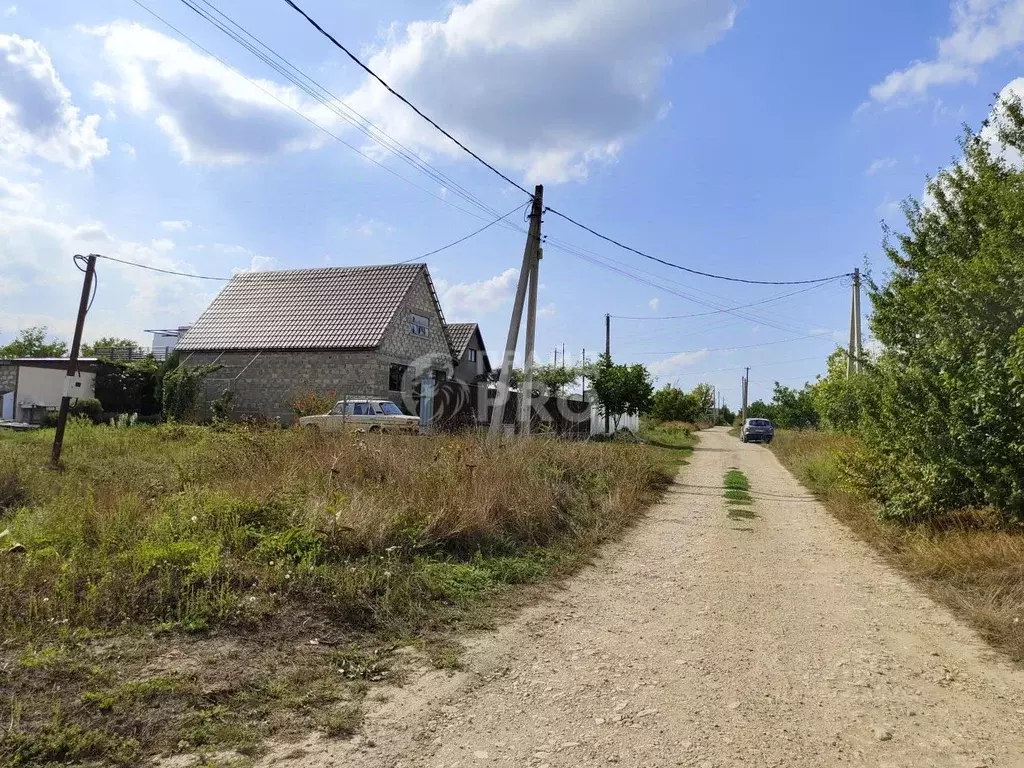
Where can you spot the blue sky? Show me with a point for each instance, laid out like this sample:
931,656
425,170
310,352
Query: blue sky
762,140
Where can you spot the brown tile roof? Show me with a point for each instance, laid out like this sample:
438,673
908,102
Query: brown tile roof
328,308
460,334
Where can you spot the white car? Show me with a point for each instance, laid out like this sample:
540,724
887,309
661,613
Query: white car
369,414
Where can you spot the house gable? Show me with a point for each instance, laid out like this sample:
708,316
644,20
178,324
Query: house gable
400,345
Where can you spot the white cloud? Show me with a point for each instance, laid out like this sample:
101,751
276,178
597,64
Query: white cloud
369,227
677,364
654,303
176,226
548,310
257,263
15,196
467,301
11,10
162,244
129,150
210,114
881,164
36,113
983,30
546,88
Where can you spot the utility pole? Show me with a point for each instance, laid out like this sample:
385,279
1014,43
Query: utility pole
746,391
70,380
858,351
608,355
529,256
854,351
563,355
526,395
584,369
556,357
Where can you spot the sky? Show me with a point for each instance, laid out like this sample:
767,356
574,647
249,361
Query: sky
759,140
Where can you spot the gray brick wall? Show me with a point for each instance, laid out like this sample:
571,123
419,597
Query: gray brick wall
8,377
399,345
268,384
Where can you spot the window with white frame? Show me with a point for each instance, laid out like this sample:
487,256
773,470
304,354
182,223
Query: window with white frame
471,355
420,326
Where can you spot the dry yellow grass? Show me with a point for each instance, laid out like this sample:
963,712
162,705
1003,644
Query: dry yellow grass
965,560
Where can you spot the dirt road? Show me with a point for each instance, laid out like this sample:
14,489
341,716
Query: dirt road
701,640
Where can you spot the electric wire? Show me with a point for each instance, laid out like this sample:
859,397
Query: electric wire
305,117
318,92
704,314
402,98
464,239
680,266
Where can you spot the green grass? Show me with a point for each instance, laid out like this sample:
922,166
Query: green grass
737,494
966,560
671,443
199,589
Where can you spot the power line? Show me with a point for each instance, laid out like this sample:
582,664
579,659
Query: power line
402,98
225,279
308,119
719,311
820,337
464,239
164,271
680,266
318,92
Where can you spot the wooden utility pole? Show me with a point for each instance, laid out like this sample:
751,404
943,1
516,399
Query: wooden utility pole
526,394
529,256
746,391
71,380
583,367
608,355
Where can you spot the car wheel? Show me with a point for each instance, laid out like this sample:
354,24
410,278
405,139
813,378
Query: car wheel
375,430
743,438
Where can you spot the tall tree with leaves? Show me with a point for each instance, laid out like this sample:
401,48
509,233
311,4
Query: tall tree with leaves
622,390
943,421
31,342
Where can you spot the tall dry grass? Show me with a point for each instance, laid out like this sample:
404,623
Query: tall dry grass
196,526
966,560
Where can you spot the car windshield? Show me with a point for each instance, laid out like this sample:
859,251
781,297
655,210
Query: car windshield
760,423
389,409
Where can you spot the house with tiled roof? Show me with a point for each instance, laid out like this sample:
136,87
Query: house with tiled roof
470,354
377,331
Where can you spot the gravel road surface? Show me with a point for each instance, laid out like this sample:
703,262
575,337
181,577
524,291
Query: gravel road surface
703,640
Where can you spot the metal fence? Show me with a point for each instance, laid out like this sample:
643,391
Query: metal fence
130,354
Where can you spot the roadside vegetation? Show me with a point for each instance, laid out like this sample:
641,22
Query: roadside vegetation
199,589
921,452
737,495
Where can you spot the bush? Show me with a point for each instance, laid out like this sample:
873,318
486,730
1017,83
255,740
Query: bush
89,407
942,424
313,404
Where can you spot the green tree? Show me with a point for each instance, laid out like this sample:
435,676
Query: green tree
839,397
31,342
759,409
107,342
704,394
554,378
622,390
942,421
793,408
672,404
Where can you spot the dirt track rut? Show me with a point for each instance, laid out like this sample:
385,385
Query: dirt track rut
700,640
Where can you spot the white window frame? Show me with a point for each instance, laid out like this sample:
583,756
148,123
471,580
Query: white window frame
419,325
471,355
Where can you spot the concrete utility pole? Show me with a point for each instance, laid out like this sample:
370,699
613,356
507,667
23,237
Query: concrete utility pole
563,355
529,256
856,309
526,395
608,354
854,352
70,381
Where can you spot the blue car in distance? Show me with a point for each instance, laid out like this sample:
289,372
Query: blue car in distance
757,431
